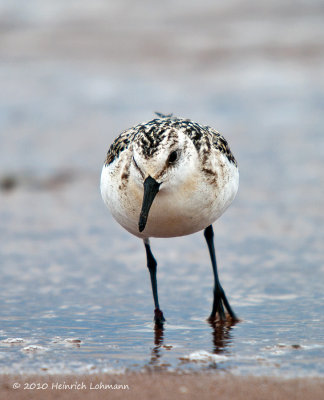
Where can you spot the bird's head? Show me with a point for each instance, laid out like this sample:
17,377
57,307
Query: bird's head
162,160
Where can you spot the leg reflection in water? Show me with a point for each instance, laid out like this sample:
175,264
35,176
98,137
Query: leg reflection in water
156,351
221,342
222,336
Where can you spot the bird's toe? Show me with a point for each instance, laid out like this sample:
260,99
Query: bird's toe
158,317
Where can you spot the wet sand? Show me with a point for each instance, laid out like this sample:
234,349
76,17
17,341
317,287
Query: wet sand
149,385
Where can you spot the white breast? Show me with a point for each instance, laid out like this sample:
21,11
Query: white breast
176,211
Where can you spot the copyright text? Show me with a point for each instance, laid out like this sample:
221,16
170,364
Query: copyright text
69,386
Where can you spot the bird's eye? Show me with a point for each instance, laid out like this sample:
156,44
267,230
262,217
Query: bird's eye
173,157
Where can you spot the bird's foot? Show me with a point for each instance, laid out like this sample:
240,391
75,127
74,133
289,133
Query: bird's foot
219,306
224,320
158,317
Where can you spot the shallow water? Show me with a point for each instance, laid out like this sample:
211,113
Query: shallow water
78,287
74,290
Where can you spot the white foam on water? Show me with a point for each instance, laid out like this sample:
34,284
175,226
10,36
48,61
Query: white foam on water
34,348
13,340
205,356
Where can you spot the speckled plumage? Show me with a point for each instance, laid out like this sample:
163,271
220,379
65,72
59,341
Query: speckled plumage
153,131
170,177
205,176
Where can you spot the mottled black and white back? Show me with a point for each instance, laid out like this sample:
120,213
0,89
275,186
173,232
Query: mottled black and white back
171,177
192,164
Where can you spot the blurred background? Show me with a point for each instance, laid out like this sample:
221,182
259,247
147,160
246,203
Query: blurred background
74,74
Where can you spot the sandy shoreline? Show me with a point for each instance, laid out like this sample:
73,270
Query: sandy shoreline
159,386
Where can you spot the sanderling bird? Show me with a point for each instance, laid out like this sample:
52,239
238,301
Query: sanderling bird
171,177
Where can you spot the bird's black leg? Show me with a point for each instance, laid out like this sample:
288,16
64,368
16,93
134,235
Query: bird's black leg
220,299
151,264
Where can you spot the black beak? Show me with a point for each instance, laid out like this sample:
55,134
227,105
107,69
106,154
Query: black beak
151,188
